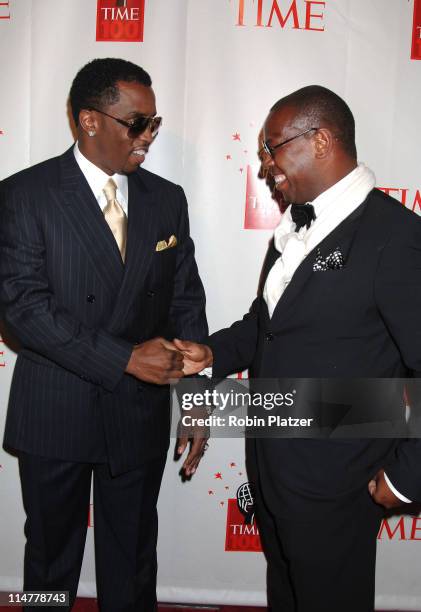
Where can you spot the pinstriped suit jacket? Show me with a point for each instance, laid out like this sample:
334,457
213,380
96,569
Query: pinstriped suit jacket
77,310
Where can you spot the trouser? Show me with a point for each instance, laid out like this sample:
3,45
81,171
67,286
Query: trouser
56,496
323,564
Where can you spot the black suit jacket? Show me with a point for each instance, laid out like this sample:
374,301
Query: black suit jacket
358,321
78,310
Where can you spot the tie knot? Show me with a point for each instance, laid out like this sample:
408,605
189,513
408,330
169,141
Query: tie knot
110,190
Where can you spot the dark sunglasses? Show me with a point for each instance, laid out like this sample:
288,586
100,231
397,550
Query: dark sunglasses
137,126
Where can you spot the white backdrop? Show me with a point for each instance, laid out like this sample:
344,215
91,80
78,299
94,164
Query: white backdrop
217,67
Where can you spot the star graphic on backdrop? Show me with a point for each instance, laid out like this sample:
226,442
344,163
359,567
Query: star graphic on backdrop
218,475
228,156
236,136
232,464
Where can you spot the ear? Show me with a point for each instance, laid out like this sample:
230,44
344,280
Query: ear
323,143
88,122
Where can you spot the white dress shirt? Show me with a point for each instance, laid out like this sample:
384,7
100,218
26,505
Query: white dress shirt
97,180
331,208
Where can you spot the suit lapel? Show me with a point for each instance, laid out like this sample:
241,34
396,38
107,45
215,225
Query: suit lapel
345,232
271,256
141,242
83,214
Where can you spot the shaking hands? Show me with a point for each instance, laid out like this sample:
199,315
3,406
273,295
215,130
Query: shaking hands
161,362
156,361
196,357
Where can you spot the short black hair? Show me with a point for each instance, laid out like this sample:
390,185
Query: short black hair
318,106
95,85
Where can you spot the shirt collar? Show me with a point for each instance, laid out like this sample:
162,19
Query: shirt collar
327,200
331,196
97,178
331,207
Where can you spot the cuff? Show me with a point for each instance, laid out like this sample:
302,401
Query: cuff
392,488
206,372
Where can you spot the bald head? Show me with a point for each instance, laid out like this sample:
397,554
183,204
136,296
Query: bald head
317,106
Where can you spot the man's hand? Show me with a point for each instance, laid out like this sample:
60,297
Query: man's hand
196,356
197,434
381,493
156,361
198,447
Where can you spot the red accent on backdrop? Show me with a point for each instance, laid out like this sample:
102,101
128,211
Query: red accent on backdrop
405,528
288,14
4,10
120,20
416,32
405,196
261,211
2,361
239,536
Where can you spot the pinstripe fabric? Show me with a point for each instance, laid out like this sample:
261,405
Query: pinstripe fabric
56,496
77,311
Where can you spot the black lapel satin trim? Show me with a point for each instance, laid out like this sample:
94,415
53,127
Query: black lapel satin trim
81,209
271,256
143,220
304,271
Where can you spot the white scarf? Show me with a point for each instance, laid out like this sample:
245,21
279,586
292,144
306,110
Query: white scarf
331,208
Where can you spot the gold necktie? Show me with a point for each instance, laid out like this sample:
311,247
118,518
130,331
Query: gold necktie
115,216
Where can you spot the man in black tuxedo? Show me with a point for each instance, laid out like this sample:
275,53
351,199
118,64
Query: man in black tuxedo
340,298
97,275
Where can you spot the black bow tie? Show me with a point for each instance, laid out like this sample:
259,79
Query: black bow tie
302,214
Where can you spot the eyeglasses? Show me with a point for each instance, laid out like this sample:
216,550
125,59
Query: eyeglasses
270,150
136,126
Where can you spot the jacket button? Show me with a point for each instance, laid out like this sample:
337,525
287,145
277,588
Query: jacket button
90,298
269,337
151,294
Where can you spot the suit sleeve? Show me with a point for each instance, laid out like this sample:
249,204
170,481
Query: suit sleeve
234,348
187,311
398,296
31,310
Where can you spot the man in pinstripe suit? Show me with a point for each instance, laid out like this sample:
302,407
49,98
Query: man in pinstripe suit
94,297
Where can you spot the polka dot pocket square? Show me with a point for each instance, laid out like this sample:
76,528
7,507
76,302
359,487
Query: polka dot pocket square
333,261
